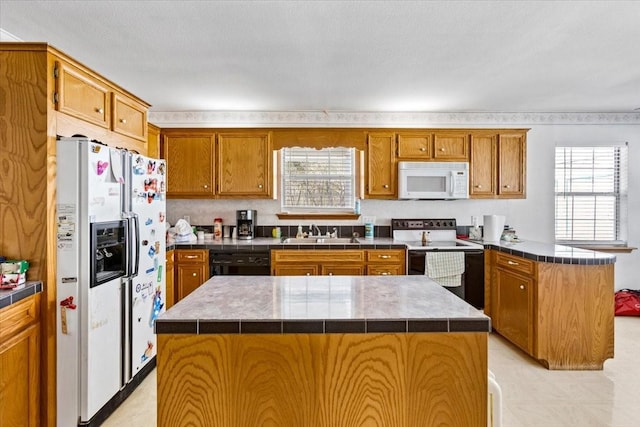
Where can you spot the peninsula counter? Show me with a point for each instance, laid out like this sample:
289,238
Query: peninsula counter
322,351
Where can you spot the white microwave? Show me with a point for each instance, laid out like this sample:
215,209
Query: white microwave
433,180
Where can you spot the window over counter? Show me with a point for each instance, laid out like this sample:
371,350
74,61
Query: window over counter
591,194
319,180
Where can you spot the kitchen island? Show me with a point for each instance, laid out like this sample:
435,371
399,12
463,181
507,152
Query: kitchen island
554,302
322,351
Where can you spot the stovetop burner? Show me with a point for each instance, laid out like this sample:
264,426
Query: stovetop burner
441,234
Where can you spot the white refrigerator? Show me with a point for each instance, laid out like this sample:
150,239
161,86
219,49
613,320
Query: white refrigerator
110,275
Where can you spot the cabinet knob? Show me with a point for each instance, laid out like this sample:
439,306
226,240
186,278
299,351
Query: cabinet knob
194,274
384,273
513,263
259,185
205,186
507,186
123,120
384,256
521,286
99,110
191,256
479,186
308,274
330,274
385,186
442,149
423,149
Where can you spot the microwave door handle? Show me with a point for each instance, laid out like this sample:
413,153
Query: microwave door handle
452,186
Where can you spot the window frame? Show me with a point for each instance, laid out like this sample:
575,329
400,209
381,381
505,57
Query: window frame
355,183
619,193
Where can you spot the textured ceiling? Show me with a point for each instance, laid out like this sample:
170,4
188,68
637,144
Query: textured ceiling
426,56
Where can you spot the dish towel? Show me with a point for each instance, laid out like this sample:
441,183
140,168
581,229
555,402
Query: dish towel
445,268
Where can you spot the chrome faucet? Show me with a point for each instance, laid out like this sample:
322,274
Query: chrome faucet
314,230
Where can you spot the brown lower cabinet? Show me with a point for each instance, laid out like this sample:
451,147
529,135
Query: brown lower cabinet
339,262
192,270
20,363
560,314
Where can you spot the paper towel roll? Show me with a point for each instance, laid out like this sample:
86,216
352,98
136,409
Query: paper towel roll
493,228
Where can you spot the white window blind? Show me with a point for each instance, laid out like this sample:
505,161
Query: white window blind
591,194
318,180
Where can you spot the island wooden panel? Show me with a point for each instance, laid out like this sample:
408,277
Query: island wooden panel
323,380
575,325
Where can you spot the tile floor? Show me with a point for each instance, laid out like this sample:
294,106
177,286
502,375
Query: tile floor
532,395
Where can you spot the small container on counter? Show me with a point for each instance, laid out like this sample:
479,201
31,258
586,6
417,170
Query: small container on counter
217,228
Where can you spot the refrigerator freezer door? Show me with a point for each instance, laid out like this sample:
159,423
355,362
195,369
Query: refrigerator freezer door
148,287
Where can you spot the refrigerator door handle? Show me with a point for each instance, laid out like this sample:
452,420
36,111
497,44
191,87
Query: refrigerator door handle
136,220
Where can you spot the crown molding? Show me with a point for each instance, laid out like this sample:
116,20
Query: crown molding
379,119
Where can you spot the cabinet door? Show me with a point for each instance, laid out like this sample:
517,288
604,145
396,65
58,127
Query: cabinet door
415,146
81,96
19,379
515,308
341,270
190,164
190,277
511,168
382,170
129,117
451,146
483,168
294,270
244,165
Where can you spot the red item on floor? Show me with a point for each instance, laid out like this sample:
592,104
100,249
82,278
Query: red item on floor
627,302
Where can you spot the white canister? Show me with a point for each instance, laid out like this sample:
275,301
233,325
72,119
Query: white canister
493,228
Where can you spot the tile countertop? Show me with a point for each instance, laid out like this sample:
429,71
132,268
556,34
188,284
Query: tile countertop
320,304
549,252
12,296
537,251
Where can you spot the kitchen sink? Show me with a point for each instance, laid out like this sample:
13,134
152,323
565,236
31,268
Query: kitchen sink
320,240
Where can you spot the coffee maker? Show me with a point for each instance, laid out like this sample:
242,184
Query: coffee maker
246,224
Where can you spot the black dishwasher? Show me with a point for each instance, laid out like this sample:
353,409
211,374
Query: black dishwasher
229,262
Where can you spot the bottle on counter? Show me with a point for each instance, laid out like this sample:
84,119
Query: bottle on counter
357,207
299,235
217,228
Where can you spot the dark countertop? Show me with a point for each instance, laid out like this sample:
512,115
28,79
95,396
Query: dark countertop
320,304
536,251
12,296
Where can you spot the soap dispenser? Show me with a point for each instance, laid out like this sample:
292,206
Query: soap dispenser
299,235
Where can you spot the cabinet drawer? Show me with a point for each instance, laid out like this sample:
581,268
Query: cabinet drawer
385,270
79,95
129,117
316,256
389,256
515,263
19,316
192,256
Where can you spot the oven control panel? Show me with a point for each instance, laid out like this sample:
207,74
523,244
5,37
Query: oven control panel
423,224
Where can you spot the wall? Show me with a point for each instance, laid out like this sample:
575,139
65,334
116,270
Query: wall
532,218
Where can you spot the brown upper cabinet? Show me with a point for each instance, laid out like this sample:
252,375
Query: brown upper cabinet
190,157
451,146
415,145
82,95
498,164
244,165
203,164
433,146
381,168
